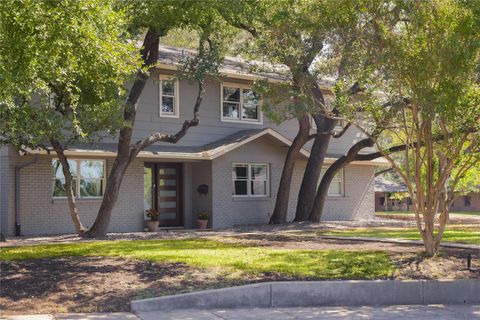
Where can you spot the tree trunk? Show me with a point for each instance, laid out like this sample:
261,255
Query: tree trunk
281,204
79,228
112,188
306,196
340,163
125,155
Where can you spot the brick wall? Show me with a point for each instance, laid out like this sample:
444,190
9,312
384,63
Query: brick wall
40,214
358,202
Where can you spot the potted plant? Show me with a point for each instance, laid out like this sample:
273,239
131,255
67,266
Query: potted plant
202,220
152,224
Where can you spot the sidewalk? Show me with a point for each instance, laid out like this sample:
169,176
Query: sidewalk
432,312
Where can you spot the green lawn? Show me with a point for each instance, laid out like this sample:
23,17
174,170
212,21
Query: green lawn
463,234
471,213
231,258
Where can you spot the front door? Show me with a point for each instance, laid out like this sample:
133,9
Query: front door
163,191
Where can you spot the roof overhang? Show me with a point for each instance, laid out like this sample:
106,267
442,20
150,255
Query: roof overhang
208,152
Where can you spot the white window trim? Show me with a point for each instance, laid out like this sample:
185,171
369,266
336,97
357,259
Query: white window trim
239,120
249,179
342,194
176,101
79,177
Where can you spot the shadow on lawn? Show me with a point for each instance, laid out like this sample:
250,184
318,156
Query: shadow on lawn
86,284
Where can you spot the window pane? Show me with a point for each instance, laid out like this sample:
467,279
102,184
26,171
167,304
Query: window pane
335,189
147,189
250,97
259,172
231,94
168,193
91,169
241,187
230,110
167,105
168,204
259,188
91,187
167,182
57,168
250,111
240,172
168,87
59,187
167,171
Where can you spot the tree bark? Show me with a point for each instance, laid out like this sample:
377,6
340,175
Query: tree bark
340,163
79,228
149,55
281,204
306,196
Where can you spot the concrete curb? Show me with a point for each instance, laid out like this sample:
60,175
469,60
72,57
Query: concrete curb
404,241
321,293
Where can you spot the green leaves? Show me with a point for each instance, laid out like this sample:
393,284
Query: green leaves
74,51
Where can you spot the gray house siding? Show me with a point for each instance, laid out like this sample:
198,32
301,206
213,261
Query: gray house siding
357,203
211,127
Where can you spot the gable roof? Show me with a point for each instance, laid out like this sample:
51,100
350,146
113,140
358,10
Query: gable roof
384,185
172,57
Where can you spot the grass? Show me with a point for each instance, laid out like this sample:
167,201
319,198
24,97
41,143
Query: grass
231,258
463,234
470,213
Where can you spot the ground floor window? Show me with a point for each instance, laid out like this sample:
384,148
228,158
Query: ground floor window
88,178
336,188
250,180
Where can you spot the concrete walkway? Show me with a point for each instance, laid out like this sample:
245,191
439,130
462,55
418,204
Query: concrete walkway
431,312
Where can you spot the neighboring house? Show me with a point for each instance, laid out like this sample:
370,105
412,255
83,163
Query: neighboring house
470,202
229,165
392,196
386,195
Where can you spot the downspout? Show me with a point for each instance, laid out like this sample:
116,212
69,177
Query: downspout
18,225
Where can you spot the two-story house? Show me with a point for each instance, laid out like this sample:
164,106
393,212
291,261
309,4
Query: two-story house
229,165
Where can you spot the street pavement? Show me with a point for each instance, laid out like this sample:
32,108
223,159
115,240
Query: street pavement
432,312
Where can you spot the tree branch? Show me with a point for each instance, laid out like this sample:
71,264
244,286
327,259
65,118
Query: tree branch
341,133
173,138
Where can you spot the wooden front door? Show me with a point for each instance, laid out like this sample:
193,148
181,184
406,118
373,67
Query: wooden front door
166,192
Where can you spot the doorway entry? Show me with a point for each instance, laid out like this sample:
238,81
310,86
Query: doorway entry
163,192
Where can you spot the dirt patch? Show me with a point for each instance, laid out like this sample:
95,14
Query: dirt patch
92,284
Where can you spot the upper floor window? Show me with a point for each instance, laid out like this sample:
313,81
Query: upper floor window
336,188
250,180
88,178
240,103
169,106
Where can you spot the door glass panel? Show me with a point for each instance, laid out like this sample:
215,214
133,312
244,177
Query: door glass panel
168,193
167,171
168,215
167,182
168,204
147,189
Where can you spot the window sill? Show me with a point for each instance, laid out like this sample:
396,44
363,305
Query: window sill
174,116
240,198
241,121
336,197
78,200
